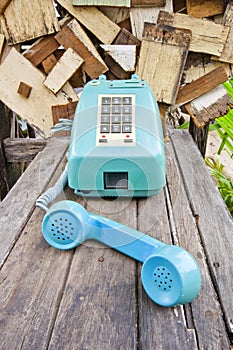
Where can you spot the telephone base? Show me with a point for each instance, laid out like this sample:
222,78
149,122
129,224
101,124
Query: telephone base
119,193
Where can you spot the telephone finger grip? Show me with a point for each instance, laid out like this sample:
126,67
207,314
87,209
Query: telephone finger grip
170,275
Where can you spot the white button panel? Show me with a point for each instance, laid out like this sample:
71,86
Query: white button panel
116,120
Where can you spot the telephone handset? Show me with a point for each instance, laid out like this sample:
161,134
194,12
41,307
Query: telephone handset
170,275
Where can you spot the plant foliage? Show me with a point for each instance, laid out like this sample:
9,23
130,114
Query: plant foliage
224,125
225,184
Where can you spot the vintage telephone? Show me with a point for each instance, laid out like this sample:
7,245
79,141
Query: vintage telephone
119,151
116,144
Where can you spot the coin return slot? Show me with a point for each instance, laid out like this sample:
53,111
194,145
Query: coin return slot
115,180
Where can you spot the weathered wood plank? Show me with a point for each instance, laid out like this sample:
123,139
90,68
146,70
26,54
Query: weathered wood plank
22,150
2,41
204,8
206,312
4,186
209,106
67,65
32,282
3,5
148,3
115,14
20,201
72,35
202,85
138,16
36,109
124,55
105,31
207,36
126,38
196,72
48,63
100,297
32,22
63,111
153,219
117,3
41,49
24,89
227,53
199,135
162,58
214,221
115,70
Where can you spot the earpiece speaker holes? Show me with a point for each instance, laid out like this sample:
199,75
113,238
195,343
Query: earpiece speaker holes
162,279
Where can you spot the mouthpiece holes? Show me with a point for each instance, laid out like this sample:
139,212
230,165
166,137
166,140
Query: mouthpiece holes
162,279
62,229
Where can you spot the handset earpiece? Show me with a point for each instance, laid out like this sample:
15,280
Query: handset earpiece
170,275
65,225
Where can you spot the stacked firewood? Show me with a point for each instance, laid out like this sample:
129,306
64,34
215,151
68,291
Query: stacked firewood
49,49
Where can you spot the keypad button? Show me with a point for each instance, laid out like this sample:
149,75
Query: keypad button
116,128
103,140
106,100
116,119
116,109
105,119
105,110
127,118
127,110
128,140
127,128
104,128
116,100
127,100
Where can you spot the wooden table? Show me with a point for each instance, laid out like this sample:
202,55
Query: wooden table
91,297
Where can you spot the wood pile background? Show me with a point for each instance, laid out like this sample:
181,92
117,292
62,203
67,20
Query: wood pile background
50,49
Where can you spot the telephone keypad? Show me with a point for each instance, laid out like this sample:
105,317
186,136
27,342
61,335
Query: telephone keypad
116,118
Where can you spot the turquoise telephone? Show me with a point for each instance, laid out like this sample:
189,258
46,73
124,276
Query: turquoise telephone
116,148
116,144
